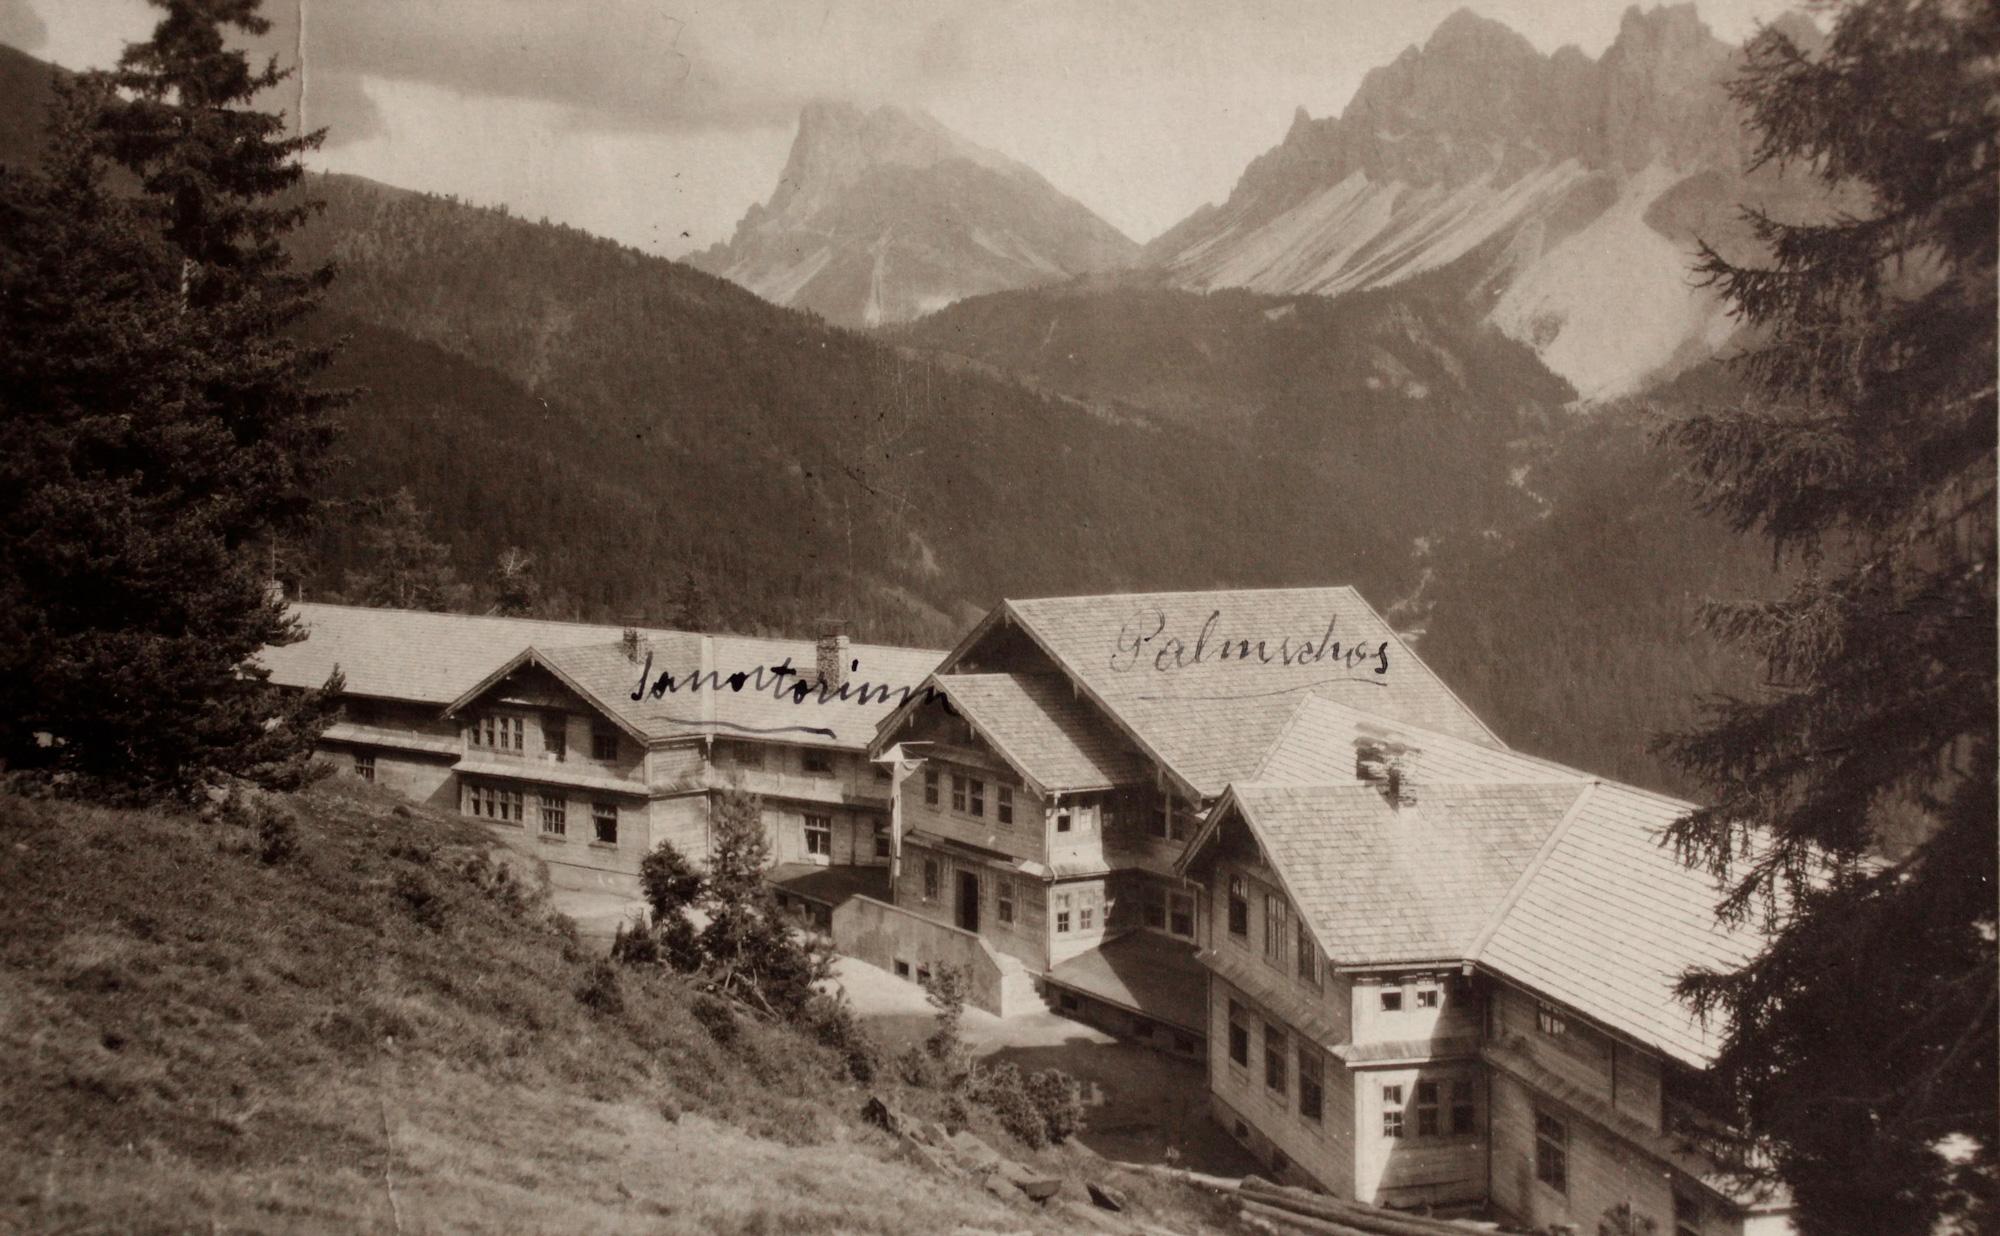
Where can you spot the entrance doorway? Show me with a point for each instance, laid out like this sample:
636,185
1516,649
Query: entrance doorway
968,900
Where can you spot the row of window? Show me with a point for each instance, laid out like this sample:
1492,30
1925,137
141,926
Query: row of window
492,802
814,760
1088,903
1433,1116
819,837
508,732
1281,933
968,796
1312,1076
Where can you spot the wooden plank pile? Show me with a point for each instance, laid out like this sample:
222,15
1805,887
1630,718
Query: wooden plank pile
1290,1210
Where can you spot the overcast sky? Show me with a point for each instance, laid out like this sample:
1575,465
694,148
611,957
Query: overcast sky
658,122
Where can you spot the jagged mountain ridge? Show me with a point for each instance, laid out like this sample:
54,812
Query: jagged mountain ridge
1560,194
881,216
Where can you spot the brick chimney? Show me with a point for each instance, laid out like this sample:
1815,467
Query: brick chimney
1390,767
830,653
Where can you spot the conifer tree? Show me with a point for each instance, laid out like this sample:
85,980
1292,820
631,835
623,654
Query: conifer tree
408,569
1854,808
159,424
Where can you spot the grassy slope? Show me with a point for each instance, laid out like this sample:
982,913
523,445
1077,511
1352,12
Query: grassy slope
199,1040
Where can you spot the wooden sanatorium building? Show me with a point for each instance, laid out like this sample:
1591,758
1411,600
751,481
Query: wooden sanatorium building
1247,826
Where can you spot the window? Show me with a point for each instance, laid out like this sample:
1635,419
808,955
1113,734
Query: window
1180,914
817,762
555,816
364,765
957,792
1274,928
555,737
1312,1082
1462,1108
881,841
1392,999
604,816
1006,901
603,744
1239,1035
492,803
1274,1059
1392,1111
819,835
750,755
1155,908
1062,821
930,787
1004,803
1687,1213
1550,1021
978,797
1308,955
498,732
1062,912
1427,1109
930,879
1086,911
1239,908
1427,997
1552,1152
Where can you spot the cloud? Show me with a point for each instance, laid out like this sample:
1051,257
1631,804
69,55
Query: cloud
19,27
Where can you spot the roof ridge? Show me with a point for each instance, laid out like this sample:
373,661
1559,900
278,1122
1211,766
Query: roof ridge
1284,732
1425,665
1193,592
614,628
1528,872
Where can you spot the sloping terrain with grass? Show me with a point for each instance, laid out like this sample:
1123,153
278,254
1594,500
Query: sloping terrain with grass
333,1012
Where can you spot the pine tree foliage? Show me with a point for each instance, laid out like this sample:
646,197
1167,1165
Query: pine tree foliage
157,426
406,568
1860,1058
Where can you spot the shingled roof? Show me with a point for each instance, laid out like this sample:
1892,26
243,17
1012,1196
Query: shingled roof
437,659
1539,873
1205,681
1039,724
1607,920
1383,884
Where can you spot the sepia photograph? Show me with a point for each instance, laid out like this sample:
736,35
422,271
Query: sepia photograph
918,617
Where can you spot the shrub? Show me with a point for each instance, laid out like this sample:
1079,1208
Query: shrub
717,1018
421,896
945,988
635,944
831,1020
277,834
600,991
1004,1092
1059,1100
670,881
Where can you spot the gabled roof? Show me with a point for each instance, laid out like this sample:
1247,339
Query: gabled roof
1379,884
1038,724
1583,905
1608,919
1205,681
438,659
